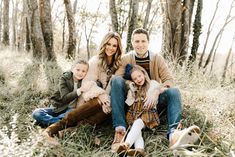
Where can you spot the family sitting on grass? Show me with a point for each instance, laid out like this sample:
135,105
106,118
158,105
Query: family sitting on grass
133,88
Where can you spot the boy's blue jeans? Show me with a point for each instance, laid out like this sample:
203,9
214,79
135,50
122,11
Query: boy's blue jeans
47,116
169,100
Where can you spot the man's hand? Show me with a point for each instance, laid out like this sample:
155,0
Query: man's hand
151,99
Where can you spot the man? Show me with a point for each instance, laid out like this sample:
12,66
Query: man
168,98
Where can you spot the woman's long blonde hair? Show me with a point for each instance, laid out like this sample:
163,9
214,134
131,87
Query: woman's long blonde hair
146,84
117,55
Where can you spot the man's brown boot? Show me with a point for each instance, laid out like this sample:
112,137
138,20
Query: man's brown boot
118,138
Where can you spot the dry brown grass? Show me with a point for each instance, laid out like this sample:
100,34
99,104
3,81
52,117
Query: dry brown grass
26,84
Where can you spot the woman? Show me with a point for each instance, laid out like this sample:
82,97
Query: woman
96,106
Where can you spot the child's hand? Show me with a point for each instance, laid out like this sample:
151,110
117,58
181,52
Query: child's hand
132,86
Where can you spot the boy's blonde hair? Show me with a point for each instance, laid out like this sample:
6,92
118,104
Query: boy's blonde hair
79,61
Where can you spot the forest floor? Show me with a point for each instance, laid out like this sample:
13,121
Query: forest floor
26,84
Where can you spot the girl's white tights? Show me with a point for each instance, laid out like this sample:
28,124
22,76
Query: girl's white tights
135,135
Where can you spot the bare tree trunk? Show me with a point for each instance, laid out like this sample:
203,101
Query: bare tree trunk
227,21
146,19
150,23
75,3
196,34
14,21
171,28
0,20
88,35
5,39
186,29
208,35
46,24
227,59
113,13
63,34
72,36
78,43
134,5
28,34
214,53
39,47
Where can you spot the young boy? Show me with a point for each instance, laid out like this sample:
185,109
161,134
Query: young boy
66,97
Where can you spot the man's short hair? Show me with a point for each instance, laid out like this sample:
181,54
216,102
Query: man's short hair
140,31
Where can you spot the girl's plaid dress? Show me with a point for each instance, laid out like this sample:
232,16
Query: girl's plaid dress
136,110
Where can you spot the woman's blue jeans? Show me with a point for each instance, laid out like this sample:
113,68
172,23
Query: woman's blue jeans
47,116
169,100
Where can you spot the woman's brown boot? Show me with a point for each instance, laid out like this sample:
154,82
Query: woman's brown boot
82,112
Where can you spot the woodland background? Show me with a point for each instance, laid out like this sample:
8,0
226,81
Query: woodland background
40,39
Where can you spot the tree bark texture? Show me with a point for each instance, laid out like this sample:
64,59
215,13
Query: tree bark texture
1,20
46,24
113,13
39,47
187,10
71,23
176,29
134,5
5,38
171,29
14,22
28,39
196,33
146,19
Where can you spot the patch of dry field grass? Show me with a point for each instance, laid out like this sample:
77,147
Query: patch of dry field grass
26,84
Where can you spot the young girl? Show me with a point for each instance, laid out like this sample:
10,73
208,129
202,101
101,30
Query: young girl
139,115
65,97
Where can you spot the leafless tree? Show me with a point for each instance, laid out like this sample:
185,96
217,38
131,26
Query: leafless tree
146,19
196,34
71,24
113,13
227,21
208,34
118,10
89,33
227,59
187,12
176,28
214,53
46,24
0,20
134,5
5,38
14,21
39,47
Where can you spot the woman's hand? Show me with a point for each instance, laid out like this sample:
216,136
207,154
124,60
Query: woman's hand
104,100
106,108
